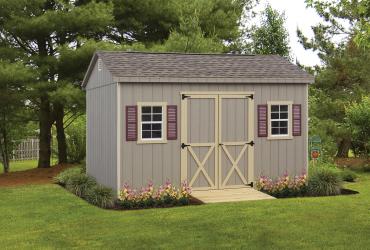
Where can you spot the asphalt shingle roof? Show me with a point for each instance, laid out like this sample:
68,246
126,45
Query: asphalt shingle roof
203,66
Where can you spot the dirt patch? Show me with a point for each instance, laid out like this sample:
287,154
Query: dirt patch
354,163
32,176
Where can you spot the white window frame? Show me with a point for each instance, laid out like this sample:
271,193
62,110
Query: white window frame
163,139
280,137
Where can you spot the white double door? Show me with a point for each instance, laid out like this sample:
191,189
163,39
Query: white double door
217,139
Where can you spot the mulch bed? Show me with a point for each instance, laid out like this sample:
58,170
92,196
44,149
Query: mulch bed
32,176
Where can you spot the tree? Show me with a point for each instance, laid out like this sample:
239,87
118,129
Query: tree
37,30
358,121
14,77
270,36
344,77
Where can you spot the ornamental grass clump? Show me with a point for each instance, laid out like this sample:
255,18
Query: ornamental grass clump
284,186
80,184
165,195
100,196
324,182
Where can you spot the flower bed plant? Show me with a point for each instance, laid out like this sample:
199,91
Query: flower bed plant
166,195
285,186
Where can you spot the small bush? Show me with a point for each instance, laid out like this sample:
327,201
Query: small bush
324,182
100,196
80,184
64,176
366,168
76,140
348,175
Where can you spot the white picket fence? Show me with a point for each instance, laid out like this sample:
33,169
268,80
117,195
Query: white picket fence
26,150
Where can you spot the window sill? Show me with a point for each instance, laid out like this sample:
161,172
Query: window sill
285,137
151,141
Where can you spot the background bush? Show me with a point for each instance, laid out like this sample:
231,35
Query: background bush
76,140
348,175
324,181
64,176
100,196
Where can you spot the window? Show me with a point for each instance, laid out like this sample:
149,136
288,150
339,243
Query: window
279,120
152,122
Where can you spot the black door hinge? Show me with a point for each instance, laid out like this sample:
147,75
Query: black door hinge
250,143
183,145
183,96
249,96
250,184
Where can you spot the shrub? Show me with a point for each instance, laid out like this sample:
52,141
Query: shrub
76,140
366,168
324,182
284,186
80,184
100,196
64,176
348,175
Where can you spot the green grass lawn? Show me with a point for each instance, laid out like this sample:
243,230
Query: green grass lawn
23,165
20,165
47,216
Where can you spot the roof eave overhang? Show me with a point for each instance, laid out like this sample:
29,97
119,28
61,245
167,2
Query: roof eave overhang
306,80
89,70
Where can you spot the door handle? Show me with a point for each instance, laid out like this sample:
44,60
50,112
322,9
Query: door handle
183,145
250,143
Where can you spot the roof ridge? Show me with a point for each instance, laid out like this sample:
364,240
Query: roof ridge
178,53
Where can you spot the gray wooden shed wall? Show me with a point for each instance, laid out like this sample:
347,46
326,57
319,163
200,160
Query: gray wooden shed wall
157,162
101,98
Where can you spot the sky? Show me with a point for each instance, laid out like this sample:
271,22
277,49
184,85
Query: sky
297,15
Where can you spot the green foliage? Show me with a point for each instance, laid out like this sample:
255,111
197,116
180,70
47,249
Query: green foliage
76,140
80,184
270,36
324,181
366,168
348,175
63,177
358,120
100,196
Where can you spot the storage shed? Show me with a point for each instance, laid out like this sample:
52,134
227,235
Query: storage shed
216,120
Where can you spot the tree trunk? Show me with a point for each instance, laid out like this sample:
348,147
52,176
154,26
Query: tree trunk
343,148
4,152
61,136
45,133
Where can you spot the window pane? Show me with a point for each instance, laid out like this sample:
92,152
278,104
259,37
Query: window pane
156,134
283,131
274,108
146,118
283,115
274,124
283,107
284,124
157,109
157,117
156,126
146,127
275,131
146,134
274,115
145,110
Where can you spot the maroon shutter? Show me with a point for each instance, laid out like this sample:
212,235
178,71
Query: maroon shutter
297,126
262,120
171,122
131,123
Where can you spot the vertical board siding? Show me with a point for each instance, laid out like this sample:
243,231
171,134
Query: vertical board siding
102,134
158,162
